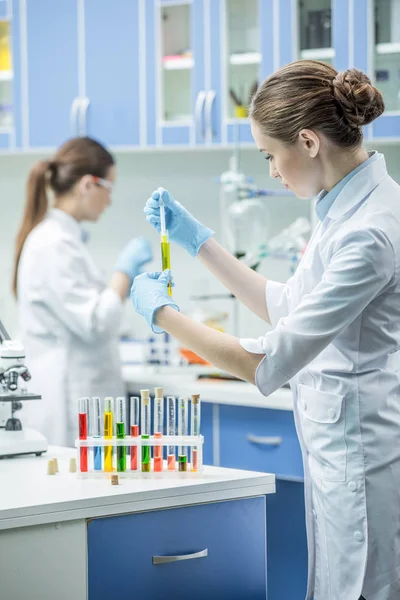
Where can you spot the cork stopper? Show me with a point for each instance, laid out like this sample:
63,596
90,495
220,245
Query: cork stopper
195,398
158,391
55,463
114,480
50,467
72,465
145,395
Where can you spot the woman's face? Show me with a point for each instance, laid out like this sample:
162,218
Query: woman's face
96,195
293,164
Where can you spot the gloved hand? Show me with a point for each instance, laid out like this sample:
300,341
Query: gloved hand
134,256
182,227
149,292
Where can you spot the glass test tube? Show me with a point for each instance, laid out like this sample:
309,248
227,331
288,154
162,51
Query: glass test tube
96,432
134,430
83,432
195,428
145,420
182,430
158,427
108,433
171,412
120,428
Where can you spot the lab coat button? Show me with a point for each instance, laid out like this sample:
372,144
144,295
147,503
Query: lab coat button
358,536
352,486
331,413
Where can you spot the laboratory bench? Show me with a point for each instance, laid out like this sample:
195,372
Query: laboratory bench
154,537
245,430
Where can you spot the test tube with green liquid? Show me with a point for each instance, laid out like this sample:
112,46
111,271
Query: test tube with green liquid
120,427
145,422
182,430
108,433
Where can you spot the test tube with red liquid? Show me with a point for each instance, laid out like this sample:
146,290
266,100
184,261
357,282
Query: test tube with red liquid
134,430
83,433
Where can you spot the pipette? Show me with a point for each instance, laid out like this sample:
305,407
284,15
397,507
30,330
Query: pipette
145,421
108,432
134,430
195,428
158,427
120,426
182,430
83,431
165,245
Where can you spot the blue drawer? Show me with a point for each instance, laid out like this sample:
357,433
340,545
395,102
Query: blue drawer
121,551
243,445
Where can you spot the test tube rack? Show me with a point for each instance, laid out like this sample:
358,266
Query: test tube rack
187,441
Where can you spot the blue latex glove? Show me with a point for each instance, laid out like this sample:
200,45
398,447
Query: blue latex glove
182,227
149,292
134,256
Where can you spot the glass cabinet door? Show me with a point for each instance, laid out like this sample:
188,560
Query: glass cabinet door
244,57
177,64
6,76
387,51
315,34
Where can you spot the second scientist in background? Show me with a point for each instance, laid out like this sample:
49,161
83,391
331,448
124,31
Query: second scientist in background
69,317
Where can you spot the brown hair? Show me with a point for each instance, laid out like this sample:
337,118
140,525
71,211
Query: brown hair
76,158
309,94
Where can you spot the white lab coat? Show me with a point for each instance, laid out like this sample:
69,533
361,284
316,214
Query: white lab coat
336,337
69,323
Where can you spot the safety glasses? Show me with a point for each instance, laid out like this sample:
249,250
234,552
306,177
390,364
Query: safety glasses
104,183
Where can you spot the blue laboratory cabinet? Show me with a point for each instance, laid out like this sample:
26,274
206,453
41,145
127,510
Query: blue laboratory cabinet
178,73
137,555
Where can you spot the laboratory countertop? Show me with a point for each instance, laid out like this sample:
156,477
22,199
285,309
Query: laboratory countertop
28,496
183,381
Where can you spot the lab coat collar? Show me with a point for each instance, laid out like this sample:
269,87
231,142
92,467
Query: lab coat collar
67,222
358,188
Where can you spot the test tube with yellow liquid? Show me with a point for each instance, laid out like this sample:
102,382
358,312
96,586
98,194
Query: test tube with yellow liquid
108,433
165,245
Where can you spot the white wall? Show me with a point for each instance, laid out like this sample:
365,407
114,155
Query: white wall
191,177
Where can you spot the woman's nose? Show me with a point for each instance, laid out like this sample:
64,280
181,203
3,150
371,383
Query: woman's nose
273,173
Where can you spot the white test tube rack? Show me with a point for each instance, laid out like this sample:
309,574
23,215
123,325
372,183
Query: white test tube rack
188,441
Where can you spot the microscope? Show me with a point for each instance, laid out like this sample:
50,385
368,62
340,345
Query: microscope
14,440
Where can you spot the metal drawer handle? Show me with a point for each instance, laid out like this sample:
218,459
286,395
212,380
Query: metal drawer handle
264,441
159,560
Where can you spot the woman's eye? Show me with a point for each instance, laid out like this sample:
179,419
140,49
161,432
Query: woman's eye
267,157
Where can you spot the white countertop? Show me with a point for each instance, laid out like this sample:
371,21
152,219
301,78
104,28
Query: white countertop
182,381
28,496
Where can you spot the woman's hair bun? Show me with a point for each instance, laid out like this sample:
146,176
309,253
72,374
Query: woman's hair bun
359,101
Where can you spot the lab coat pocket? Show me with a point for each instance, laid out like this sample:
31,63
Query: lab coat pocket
323,427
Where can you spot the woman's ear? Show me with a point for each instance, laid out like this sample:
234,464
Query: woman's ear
309,142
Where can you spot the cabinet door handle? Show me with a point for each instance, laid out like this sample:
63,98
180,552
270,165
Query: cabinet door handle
159,560
73,116
198,112
264,441
84,104
208,112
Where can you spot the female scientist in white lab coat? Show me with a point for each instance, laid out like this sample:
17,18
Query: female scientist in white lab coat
336,322
69,317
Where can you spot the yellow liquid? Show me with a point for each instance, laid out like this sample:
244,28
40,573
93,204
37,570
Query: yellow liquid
166,258
108,450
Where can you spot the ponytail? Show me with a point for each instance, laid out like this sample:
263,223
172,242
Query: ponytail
36,207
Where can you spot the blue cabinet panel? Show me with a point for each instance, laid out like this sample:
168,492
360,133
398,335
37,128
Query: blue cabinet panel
215,27
4,141
340,33
3,9
240,132
387,126
236,450
112,71
52,56
120,551
362,37
151,70
285,36
286,542
267,38
176,135
207,431
16,61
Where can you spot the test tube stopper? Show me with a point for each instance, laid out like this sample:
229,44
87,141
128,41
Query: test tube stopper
114,480
72,465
